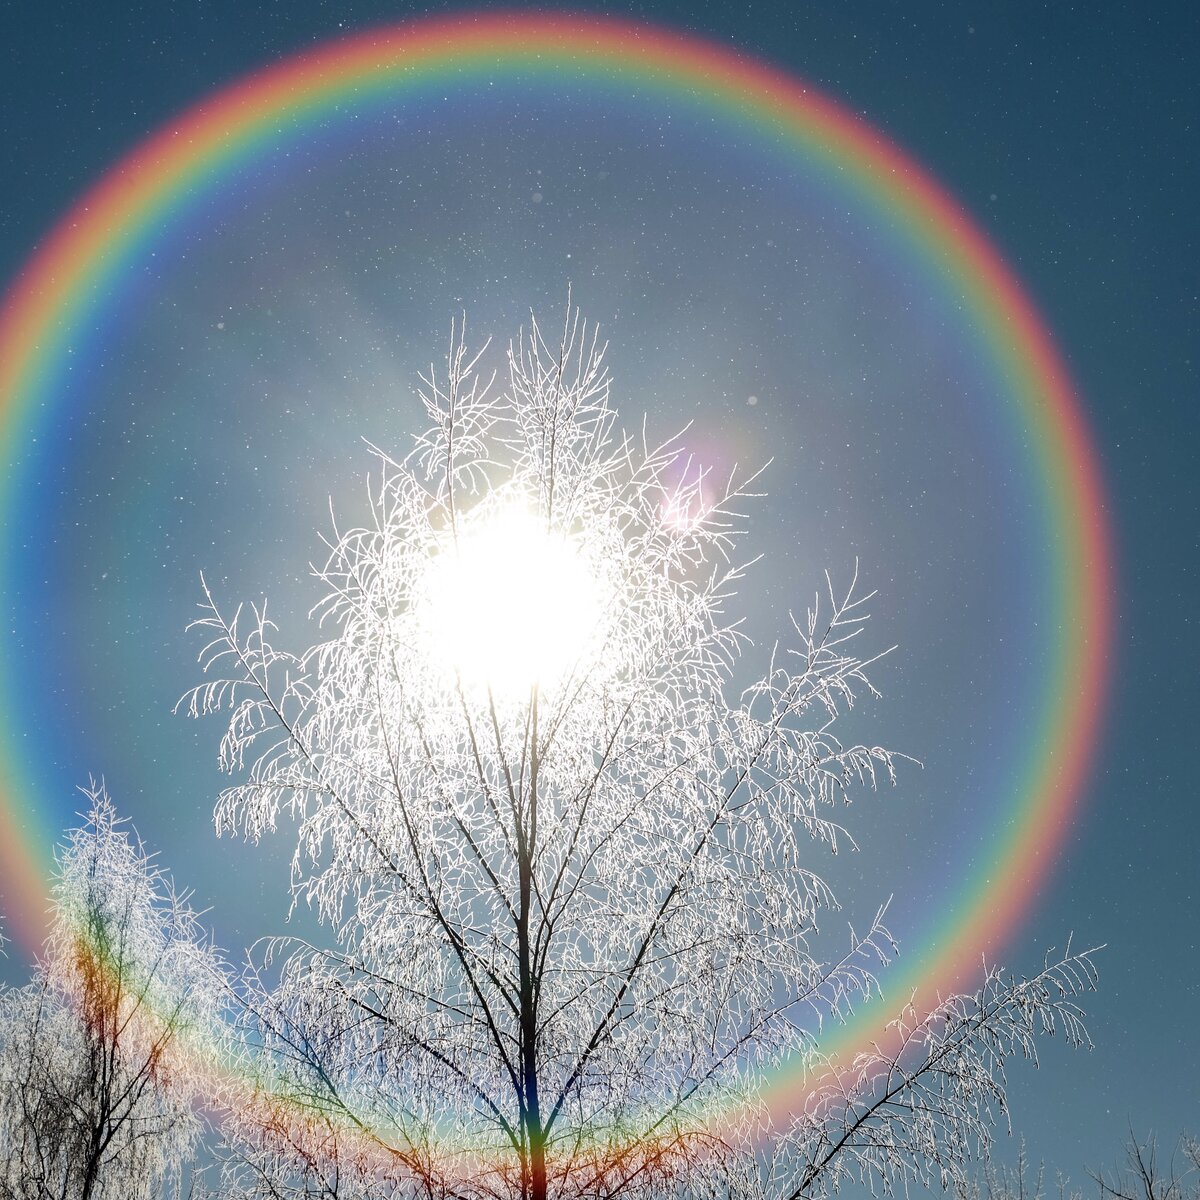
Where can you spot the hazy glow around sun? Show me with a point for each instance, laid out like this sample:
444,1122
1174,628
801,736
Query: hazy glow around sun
510,604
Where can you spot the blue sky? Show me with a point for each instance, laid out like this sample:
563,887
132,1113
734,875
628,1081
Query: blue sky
289,322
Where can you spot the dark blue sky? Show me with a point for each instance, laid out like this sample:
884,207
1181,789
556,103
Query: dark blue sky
1070,133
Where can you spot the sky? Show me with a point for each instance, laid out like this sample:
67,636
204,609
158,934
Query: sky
219,407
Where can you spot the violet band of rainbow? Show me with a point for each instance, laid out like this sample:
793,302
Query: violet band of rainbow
102,234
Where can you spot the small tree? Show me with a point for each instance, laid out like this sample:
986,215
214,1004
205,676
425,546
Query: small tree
568,875
95,1087
1146,1176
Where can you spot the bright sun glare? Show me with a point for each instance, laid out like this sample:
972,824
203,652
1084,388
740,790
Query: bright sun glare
512,604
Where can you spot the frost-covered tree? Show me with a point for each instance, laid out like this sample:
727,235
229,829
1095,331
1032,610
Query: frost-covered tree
569,870
96,1078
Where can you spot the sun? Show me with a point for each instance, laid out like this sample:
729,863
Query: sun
509,603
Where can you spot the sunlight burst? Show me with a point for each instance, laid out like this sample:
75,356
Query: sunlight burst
511,604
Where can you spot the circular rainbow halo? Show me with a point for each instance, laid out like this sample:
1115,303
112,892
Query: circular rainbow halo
507,614
509,602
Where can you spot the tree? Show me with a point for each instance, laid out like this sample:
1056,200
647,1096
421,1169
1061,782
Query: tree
95,1077
568,877
1145,1176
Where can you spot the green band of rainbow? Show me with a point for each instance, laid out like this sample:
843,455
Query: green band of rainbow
100,236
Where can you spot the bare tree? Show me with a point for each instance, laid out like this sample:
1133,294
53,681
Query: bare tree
1021,1181
1146,1176
95,1083
569,877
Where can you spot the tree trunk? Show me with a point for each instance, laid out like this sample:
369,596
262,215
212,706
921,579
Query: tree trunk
90,1174
531,1103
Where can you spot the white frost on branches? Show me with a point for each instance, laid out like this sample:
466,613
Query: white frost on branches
573,927
98,1052
922,1110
